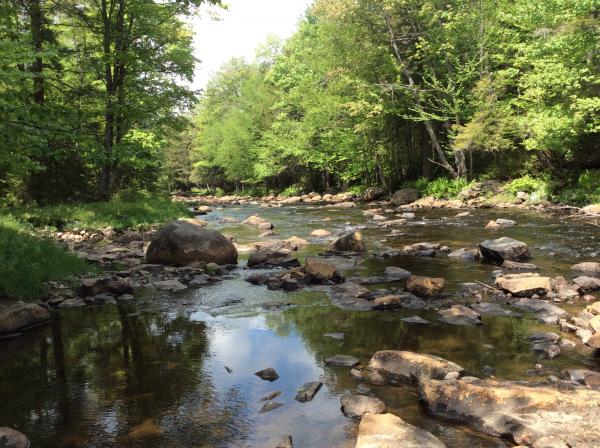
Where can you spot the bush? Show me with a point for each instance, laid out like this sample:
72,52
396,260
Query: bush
292,190
357,190
586,189
527,184
26,262
444,188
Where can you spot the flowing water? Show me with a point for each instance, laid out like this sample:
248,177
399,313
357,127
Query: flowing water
153,373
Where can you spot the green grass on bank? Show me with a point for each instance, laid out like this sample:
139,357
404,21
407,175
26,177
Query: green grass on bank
26,261
130,210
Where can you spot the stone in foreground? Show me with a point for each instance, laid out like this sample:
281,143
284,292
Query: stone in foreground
17,316
425,286
389,431
351,242
268,374
525,285
355,405
504,248
286,442
308,391
518,411
11,438
342,361
182,242
408,367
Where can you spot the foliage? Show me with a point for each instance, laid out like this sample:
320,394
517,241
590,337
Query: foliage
292,190
26,262
527,184
445,188
125,210
586,189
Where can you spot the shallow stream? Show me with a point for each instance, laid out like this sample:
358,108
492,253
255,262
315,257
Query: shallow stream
153,373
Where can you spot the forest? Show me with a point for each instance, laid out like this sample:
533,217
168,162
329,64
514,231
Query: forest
95,99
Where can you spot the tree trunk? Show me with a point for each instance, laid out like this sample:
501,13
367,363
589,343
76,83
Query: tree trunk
37,34
419,105
109,114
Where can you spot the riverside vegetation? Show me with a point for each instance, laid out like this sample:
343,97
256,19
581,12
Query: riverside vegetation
391,217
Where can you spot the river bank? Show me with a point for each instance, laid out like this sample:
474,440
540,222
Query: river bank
215,329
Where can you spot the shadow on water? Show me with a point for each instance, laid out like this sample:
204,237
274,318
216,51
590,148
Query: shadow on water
154,373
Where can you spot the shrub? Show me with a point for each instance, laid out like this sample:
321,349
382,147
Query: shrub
528,184
586,189
444,188
292,190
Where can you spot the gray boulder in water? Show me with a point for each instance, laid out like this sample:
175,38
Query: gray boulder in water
504,248
405,196
16,316
351,242
182,242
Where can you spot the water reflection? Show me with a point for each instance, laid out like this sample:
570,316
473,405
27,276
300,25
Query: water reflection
154,373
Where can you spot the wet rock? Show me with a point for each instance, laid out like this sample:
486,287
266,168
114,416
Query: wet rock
488,370
500,223
286,442
270,396
268,374
350,295
295,243
542,309
169,285
267,233
321,272
254,220
525,285
393,223
493,309
183,242
508,265
356,405
262,259
408,367
545,344
270,406
396,273
460,315
372,194
342,205
588,269
126,298
425,286
415,320
465,254
405,196
229,220
521,412
71,303
11,438
587,283
18,316
342,361
320,233
95,286
350,242
504,249
308,391
389,431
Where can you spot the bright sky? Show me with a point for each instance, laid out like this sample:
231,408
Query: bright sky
242,28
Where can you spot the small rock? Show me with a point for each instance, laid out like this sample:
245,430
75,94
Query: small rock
270,406
338,336
415,320
11,438
308,391
271,396
169,285
396,273
268,374
425,286
320,233
342,361
286,442
355,405
460,315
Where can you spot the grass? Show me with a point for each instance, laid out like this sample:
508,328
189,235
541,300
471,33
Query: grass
133,210
26,262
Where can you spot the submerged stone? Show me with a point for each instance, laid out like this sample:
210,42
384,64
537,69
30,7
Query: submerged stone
355,405
342,361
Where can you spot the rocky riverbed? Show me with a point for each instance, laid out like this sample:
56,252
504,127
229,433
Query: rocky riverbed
324,322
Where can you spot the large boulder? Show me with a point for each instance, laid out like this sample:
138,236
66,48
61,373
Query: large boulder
408,367
183,242
17,316
350,242
519,411
593,209
504,248
587,268
525,285
405,196
389,431
321,272
425,286
372,194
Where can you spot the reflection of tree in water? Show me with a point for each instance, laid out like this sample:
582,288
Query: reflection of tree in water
112,376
